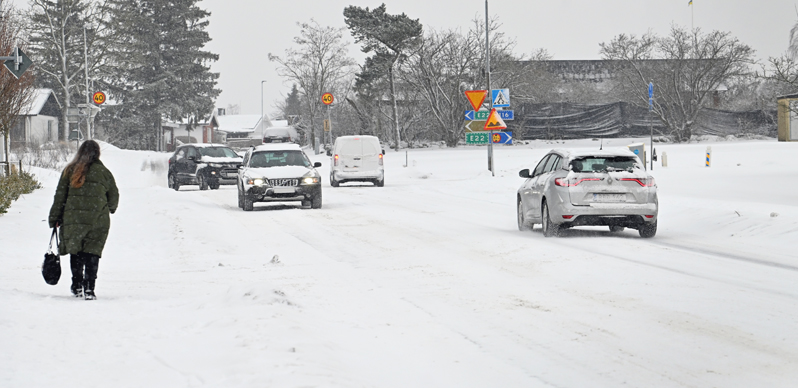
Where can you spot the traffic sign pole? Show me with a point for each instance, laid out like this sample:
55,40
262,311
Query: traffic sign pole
651,126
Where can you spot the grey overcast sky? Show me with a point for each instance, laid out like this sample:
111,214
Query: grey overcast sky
245,31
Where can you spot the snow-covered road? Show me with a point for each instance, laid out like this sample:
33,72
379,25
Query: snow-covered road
425,283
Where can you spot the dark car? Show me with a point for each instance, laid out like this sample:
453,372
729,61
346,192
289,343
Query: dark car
205,165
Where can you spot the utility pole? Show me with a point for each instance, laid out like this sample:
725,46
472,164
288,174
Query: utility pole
490,93
261,110
86,68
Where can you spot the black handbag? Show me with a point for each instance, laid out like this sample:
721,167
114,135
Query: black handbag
51,268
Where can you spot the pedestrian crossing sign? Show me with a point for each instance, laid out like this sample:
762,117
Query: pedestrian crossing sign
501,98
494,122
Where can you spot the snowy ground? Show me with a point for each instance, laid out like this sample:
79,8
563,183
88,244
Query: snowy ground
423,283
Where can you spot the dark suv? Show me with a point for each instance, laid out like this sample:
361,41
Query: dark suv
206,165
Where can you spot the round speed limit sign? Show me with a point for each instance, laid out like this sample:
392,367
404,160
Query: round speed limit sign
327,98
99,98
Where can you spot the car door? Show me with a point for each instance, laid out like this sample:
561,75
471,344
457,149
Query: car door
538,189
528,196
545,180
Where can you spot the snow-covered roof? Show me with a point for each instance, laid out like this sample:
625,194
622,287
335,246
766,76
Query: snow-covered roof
278,147
40,98
202,145
238,123
280,131
279,123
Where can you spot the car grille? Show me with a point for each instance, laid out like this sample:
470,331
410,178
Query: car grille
283,182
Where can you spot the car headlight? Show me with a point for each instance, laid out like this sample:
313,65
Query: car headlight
255,181
216,165
310,178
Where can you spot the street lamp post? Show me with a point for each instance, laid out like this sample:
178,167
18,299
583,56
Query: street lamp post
86,68
261,110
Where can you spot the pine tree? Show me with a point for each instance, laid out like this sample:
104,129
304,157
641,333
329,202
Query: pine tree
162,73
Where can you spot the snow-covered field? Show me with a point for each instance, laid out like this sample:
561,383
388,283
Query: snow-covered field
423,283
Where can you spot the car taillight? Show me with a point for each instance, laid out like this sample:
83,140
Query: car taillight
645,182
335,160
567,217
380,159
565,183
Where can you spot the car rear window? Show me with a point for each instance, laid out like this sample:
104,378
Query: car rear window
218,152
604,163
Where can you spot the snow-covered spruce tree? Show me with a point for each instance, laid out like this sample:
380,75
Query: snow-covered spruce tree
160,70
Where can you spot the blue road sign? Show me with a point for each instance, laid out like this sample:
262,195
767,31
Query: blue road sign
650,95
482,115
501,98
502,138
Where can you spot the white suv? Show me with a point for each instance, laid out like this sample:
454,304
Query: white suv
357,159
279,172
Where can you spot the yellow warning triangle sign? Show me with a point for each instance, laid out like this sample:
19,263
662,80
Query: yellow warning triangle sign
494,122
476,97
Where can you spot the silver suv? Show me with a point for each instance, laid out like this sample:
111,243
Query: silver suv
573,188
278,172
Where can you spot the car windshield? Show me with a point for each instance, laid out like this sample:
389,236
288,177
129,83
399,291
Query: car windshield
278,158
604,163
217,152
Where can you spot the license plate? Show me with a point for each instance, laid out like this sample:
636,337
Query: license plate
609,197
284,190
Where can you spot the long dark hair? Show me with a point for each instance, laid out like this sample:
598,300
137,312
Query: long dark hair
88,153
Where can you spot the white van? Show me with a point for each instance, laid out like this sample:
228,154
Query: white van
357,159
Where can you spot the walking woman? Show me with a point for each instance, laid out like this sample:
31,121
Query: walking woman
85,196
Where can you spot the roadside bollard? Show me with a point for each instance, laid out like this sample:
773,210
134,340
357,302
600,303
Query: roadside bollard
664,159
709,155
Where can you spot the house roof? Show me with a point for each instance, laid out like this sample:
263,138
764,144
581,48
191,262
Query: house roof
238,123
40,97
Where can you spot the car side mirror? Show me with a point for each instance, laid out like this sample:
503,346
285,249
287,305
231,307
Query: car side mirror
383,151
524,173
192,157
317,164
329,153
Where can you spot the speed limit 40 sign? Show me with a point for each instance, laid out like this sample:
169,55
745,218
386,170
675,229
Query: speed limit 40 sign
99,98
327,98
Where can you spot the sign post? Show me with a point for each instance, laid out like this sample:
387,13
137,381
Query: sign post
651,126
327,99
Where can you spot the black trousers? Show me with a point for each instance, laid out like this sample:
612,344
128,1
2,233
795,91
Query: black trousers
84,269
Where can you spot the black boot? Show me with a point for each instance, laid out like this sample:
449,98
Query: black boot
92,263
89,290
77,287
76,264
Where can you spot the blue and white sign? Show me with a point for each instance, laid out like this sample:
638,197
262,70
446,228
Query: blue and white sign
501,98
650,96
502,138
482,115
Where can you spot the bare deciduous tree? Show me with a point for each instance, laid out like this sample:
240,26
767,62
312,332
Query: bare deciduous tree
15,93
318,65
686,67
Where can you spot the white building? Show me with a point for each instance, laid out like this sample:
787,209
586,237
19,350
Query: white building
38,121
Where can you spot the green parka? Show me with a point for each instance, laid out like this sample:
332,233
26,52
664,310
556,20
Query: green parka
83,213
